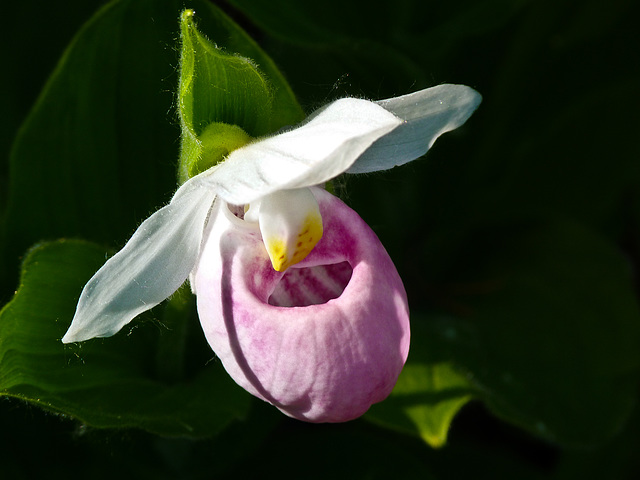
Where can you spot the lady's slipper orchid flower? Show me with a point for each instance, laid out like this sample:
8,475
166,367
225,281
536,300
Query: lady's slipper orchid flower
295,293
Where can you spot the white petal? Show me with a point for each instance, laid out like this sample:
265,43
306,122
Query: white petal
428,114
322,148
151,266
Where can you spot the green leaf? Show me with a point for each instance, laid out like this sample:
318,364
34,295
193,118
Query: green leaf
112,383
429,392
547,333
551,339
86,161
35,67
424,401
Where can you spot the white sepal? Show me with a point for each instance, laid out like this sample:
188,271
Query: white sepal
320,149
152,265
427,114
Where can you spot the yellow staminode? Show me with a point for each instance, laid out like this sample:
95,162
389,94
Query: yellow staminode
285,252
291,226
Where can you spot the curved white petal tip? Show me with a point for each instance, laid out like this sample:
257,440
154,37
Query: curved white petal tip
427,114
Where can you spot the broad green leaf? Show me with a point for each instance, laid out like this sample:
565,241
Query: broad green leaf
34,68
551,341
94,156
99,149
124,381
430,390
424,401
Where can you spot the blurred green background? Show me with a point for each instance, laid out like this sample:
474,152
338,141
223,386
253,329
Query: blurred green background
517,236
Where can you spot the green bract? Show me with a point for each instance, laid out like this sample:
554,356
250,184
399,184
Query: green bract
217,88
